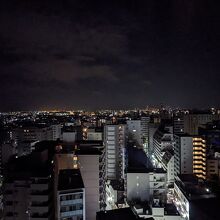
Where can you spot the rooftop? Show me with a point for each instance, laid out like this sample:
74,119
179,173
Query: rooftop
89,147
145,170
205,209
117,214
70,179
28,166
191,188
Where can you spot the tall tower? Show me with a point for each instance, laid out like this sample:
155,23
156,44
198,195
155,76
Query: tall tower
145,133
199,157
114,140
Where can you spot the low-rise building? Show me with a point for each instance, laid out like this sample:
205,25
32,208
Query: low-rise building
144,185
191,198
157,211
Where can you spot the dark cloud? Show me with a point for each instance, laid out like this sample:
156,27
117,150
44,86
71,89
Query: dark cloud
91,54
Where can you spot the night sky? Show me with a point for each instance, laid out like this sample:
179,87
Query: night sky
70,54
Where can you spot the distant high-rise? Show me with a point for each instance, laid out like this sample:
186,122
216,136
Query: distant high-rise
163,152
193,121
178,124
134,132
199,157
145,133
152,129
138,131
33,133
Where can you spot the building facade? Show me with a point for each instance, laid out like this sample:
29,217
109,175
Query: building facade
114,140
183,154
199,157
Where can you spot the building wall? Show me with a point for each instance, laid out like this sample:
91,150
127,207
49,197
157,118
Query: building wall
69,136
92,135
114,139
135,132
183,154
65,161
138,186
28,198
89,168
161,141
152,129
212,168
56,131
145,186
170,170
71,204
145,133
193,121
31,134
199,157
178,124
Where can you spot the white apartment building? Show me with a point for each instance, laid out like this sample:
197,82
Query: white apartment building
162,141
94,135
145,185
135,132
183,154
114,140
56,131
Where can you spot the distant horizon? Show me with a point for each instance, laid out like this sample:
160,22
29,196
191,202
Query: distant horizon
111,109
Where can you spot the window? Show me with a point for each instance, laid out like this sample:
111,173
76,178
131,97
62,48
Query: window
63,209
62,198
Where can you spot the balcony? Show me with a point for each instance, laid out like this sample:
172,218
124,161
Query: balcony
71,202
37,216
39,187
159,179
71,213
39,198
39,209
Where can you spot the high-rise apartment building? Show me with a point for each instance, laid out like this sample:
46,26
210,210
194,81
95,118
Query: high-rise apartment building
56,131
91,162
163,152
28,188
162,141
145,133
138,131
135,132
178,124
199,157
193,121
152,129
190,123
114,140
32,133
183,154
